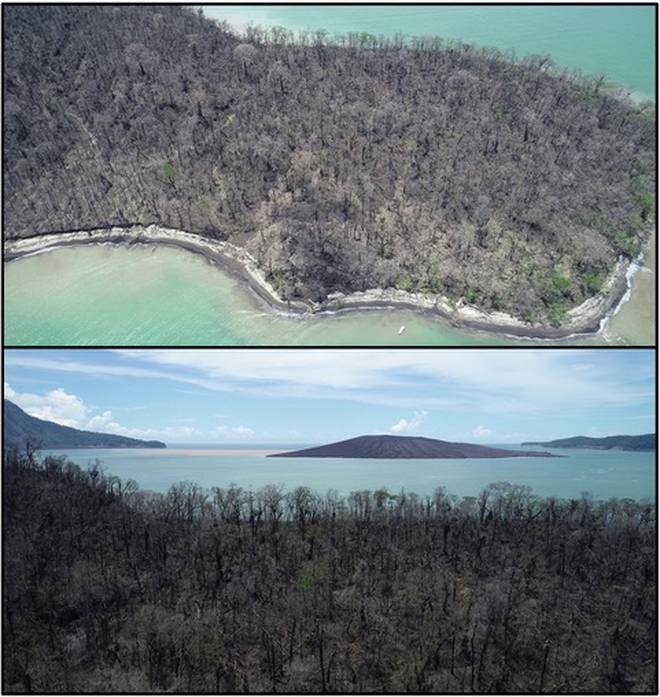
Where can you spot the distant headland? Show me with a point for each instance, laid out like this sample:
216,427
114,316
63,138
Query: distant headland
645,442
20,429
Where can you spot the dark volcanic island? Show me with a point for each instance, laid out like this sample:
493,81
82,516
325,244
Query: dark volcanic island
408,448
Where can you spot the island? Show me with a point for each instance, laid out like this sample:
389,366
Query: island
641,443
407,448
332,172
21,430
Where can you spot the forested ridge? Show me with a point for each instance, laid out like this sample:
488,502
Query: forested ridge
643,442
341,163
109,588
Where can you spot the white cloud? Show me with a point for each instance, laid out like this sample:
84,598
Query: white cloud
513,381
223,431
405,426
525,381
100,422
401,425
243,431
481,432
69,410
57,405
107,424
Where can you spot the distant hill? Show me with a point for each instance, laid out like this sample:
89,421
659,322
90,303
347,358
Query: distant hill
642,443
407,447
19,427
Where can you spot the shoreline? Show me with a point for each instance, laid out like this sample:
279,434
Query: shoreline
587,319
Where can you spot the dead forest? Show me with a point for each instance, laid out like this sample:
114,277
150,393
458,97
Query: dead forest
342,163
111,588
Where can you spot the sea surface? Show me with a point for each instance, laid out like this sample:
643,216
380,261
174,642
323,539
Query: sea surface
127,296
99,295
603,474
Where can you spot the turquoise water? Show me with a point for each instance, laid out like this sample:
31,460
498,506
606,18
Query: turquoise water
617,40
104,295
120,296
603,474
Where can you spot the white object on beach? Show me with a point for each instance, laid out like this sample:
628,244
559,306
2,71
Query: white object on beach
403,329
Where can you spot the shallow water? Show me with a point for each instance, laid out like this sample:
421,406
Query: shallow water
604,474
142,295
109,295
616,40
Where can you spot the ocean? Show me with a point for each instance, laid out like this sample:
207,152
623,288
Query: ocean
121,296
603,474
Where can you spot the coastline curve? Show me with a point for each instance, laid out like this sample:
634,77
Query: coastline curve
587,319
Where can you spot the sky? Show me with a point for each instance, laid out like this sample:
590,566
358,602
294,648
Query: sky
299,396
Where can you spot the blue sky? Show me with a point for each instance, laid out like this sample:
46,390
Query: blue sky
312,396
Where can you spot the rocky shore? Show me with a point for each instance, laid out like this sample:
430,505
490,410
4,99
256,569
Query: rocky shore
590,317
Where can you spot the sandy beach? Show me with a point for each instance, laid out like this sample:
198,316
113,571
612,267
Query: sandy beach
589,318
